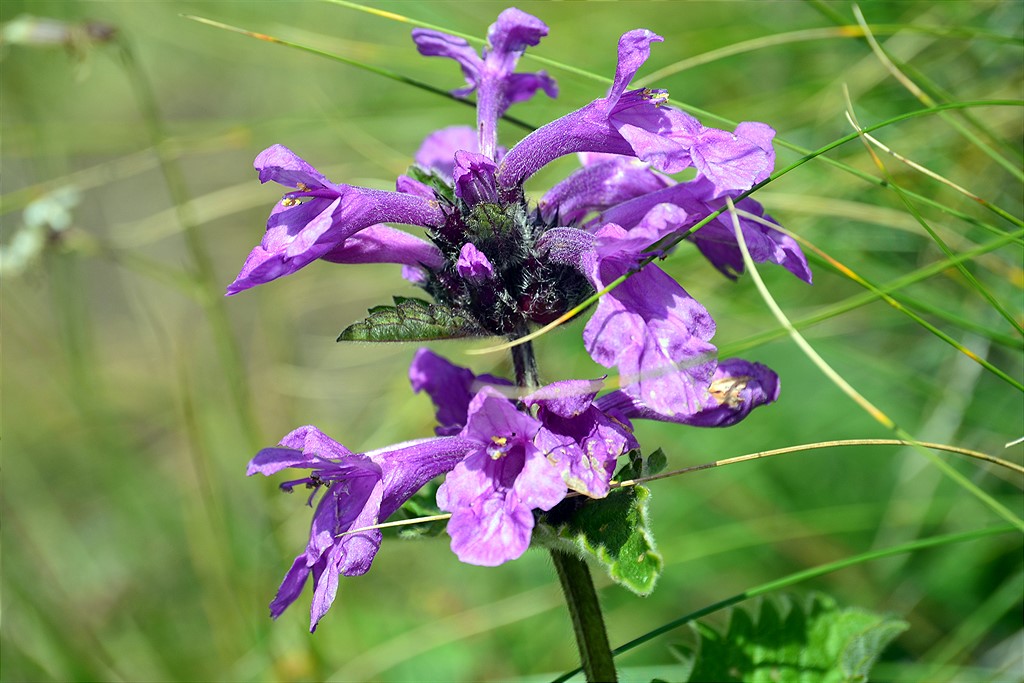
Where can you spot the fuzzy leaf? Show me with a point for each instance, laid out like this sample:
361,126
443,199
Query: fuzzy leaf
782,639
614,531
412,320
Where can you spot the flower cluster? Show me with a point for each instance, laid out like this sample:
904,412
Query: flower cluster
492,257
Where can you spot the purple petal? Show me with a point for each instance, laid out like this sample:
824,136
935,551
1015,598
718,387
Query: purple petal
383,244
585,447
738,387
280,164
567,398
540,485
435,44
414,187
473,264
474,178
512,33
657,335
716,240
732,161
490,532
449,386
634,49
521,87
291,587
658,222
438,150
414,275
600,184
491,416
312,440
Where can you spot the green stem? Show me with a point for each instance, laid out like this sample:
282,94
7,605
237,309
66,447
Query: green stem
573,573
587,620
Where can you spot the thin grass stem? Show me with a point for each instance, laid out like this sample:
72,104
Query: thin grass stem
891,182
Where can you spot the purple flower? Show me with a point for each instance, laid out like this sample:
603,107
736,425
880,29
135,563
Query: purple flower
474,178
360,490
437,152
635,123
473,265
604,181
318,216
492,76
578,437
492,492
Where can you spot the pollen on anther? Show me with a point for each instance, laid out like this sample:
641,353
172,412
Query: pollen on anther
289,201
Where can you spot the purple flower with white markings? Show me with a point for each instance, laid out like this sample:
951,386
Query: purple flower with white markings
360,490
493,492
315,220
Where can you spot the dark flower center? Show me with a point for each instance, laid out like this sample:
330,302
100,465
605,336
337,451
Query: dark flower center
526,287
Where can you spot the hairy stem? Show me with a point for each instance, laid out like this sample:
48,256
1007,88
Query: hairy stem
573,573
587,620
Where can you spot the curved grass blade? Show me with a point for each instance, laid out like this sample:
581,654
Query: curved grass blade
806,35
857,397
966,452
926,100
850,274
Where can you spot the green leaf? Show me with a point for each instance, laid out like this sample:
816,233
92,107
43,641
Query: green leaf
614,531
782,639
656,462
412,320
433,180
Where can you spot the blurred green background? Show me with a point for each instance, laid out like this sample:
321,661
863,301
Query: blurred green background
133,395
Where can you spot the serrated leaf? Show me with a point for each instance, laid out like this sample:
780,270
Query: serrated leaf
780,639
614,531
412,320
